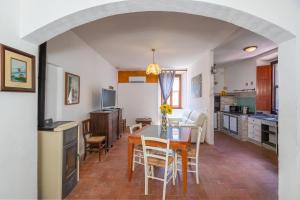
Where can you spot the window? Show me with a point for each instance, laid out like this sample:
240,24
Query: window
275,96
175,98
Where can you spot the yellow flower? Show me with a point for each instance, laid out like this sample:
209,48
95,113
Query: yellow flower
165,108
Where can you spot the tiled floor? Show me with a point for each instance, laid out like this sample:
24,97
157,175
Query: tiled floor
229,170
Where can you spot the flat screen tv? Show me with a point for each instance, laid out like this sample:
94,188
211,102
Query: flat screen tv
108,98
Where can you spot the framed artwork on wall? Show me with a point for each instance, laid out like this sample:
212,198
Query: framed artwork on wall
196,86
72,89
17,70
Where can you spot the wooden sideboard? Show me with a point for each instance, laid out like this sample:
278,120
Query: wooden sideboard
107,123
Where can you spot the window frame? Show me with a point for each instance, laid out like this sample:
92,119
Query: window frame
274,88
171,95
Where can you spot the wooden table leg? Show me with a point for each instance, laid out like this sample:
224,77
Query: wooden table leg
130,153
184,169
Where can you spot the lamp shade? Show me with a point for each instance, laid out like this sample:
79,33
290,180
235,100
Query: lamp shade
153,69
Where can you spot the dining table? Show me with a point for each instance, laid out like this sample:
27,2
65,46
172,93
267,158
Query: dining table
179,140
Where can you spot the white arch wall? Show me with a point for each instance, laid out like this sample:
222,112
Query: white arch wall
39,25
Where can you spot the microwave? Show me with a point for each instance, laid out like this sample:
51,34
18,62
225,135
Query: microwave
235,109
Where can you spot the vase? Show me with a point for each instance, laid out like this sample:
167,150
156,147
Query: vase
164,122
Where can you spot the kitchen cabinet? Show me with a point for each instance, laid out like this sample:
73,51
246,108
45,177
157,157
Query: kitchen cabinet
226,121
254,129
233,124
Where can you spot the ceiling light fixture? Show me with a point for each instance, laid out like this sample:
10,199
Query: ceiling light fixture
250,48
153,68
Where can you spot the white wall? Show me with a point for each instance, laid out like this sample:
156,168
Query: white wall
18,120
68,53
219,79
237,74
139,100
54,92
289,140
205,103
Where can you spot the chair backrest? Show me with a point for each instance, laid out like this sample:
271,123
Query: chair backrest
198,141
135,127
202,120
193,117
155,148
86,128
185,115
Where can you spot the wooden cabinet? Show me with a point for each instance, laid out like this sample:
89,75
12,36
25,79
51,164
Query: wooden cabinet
264,88
107,123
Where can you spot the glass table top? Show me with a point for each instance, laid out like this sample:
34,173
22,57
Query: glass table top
173,133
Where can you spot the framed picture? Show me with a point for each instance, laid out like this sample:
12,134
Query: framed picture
17,70
196,86
72,89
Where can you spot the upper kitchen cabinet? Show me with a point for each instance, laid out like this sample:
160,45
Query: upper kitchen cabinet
264,88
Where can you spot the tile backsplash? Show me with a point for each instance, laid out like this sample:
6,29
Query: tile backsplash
247,101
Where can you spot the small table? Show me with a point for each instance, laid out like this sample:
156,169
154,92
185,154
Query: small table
143,121
179,140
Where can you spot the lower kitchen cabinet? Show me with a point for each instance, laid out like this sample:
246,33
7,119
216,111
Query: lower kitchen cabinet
225,122
254,129
233,124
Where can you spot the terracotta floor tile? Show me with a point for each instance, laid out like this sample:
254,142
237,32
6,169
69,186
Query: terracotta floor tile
230,169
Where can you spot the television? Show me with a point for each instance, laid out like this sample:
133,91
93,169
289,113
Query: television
108,98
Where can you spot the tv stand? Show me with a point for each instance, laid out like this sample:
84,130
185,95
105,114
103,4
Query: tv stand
108,123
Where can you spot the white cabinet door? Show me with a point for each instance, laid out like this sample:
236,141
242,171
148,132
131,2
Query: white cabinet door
250,130
233,124
226,121
257,133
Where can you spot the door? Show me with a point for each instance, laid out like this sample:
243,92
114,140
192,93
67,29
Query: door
233,124
264,88
226,122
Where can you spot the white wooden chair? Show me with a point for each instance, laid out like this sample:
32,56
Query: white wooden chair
138,149
193,156
159,157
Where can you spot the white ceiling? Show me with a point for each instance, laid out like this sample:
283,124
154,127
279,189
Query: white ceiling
126,40
232,48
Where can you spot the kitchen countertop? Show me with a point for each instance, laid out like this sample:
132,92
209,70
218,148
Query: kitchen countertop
261,116
267,117
235,113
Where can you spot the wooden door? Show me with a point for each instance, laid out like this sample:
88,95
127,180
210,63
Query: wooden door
264,88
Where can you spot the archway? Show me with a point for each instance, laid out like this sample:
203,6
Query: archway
95,11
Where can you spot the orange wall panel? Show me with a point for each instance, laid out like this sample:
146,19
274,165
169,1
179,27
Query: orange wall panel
123,76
